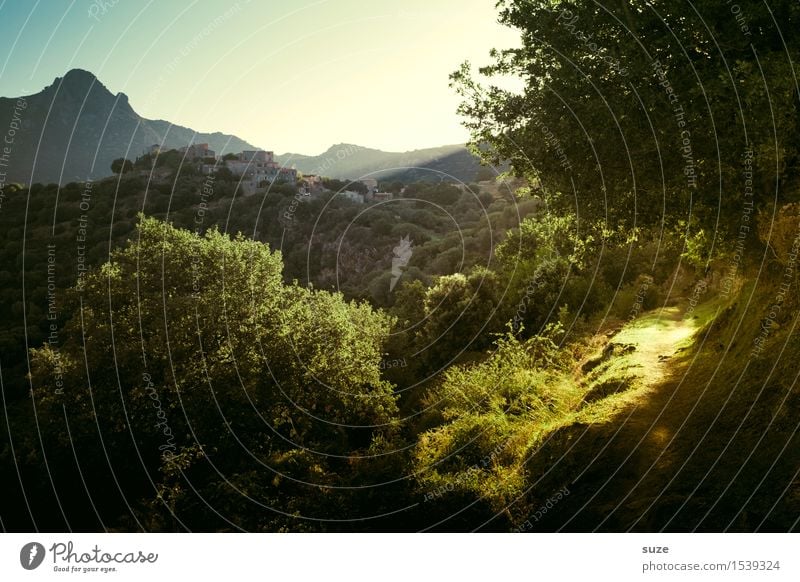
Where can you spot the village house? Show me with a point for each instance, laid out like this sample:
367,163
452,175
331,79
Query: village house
380,196
198,151
311,184
258,169
370,183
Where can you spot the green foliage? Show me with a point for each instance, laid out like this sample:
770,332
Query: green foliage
543,237
779,230
244,379
121,166
460,314
441,194
632,128
205,327
493,413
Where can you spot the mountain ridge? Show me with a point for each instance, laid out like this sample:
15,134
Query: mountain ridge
75,127
448,162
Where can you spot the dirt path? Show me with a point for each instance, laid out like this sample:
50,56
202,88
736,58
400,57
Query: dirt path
688,444
614,450
657,337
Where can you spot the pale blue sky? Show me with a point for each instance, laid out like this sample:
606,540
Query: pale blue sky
295,75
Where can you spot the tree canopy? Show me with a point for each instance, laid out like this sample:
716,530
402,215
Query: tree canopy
642,113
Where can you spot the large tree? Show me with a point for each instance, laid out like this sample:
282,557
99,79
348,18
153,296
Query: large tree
637,112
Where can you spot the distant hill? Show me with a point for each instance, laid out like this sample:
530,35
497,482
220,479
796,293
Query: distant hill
74,128
451,162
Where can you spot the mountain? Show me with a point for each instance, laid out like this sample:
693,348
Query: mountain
74,128
453,162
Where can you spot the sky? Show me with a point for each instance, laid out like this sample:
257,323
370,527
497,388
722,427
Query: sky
289,76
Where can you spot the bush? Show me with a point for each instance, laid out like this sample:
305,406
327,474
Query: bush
492,414
285,368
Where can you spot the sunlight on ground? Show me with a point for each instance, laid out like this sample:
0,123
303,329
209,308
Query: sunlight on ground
657,337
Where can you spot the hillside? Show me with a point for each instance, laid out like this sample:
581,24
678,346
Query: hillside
452,162
704,439
605,342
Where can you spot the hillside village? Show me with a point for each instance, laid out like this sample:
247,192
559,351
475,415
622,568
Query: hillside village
257,171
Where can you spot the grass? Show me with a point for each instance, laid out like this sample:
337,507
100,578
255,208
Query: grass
701,438
683,432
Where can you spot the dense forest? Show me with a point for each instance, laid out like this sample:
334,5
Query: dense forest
601,338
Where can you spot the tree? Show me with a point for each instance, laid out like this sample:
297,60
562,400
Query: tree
121,166
394,187
359,187
224,173
461,314
334,184
635,112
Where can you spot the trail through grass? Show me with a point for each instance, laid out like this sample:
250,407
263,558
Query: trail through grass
657,337
627,435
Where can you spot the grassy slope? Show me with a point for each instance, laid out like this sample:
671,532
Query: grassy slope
699,436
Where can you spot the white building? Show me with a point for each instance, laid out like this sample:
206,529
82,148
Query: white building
311,184
380,196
